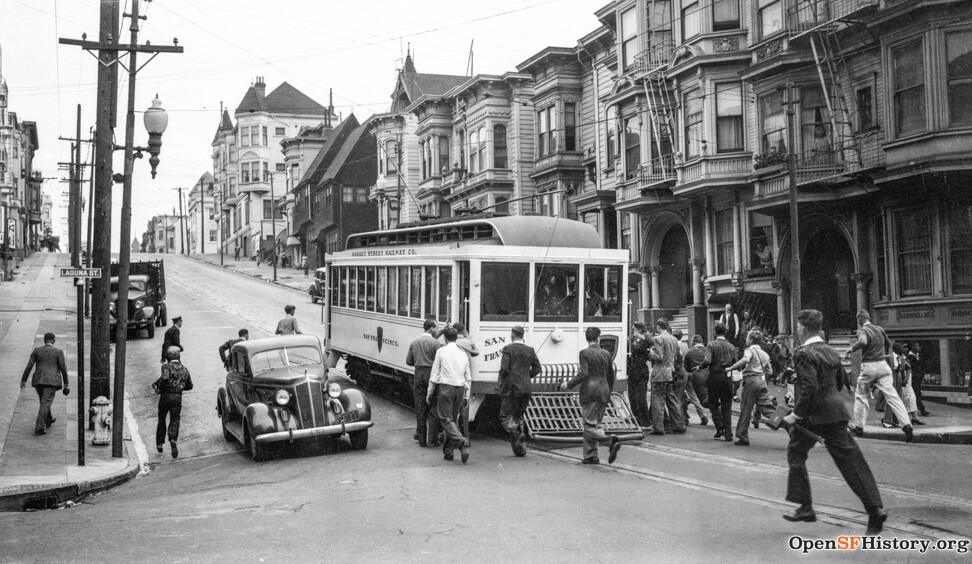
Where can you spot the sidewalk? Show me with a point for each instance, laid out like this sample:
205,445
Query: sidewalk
42,471
289,277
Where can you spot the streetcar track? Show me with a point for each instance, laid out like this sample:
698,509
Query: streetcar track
828,514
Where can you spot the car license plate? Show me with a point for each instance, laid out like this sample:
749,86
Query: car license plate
346,417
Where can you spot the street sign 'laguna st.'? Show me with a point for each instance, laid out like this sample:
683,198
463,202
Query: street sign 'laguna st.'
80,272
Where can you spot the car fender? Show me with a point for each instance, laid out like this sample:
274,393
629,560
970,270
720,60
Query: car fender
260,419
146,313
355,399
222,401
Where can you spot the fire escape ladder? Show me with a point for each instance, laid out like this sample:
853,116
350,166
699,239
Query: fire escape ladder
660,109
835,82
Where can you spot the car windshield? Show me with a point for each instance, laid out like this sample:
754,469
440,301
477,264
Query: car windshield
134,286
287,356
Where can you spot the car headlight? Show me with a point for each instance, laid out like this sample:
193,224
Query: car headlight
282,397
334,390
139,304
111,307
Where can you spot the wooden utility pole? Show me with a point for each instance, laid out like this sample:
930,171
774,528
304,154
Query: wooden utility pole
76,174
182,226
202,218
796,300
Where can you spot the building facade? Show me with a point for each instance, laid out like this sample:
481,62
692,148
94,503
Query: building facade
249,165
201,216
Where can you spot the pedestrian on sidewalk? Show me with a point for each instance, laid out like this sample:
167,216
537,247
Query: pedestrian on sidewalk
719,355
755,364
236,254
421,356
820,409
638,373
695,391
917,363
518,365
664,401
875,346
172,338
174,380
50,369
288,324
450,380
595,375
244,335
901,376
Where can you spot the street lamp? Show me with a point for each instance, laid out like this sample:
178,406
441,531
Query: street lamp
156,120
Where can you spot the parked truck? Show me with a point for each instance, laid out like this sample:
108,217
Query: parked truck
146,296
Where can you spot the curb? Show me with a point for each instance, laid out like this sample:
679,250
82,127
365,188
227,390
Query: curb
50,496
245,275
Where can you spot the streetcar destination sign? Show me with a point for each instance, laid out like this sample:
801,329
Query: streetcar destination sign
81,272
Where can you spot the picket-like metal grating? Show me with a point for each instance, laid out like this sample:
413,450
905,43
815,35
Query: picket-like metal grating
557,416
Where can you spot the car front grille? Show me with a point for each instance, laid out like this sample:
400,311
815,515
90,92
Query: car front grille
310,404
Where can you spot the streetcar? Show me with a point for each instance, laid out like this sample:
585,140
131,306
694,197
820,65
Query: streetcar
549,275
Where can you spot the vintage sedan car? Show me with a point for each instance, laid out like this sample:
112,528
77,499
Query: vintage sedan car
279,391
317,288
142,304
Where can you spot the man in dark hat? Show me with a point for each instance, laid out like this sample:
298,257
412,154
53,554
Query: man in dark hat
50,371
638,373
174,380
225,347
172,337
518,364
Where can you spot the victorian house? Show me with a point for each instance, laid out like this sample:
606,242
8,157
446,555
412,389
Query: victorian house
201,217
249,169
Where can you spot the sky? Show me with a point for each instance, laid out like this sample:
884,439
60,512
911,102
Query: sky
353,48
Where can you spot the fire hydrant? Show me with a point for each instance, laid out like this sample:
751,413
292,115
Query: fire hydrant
101,414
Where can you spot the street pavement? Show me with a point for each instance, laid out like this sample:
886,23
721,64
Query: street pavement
677,498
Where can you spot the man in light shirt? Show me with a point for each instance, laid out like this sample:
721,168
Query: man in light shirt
451,379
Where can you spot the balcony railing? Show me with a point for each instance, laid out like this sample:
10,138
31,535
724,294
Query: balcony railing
715,167
657,171
655,57
810,14
821,165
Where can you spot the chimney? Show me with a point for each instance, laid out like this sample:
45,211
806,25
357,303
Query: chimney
260,87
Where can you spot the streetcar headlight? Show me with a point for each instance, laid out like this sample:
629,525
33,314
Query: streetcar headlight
282,397
334,390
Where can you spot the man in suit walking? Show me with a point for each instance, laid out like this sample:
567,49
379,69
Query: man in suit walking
719,356
421,355
917,363
595,375
50,370
819,408
172,338
518,364
730,319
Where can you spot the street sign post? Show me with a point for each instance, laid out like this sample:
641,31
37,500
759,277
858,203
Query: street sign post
80,273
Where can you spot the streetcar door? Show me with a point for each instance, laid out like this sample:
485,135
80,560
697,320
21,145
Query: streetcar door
464,293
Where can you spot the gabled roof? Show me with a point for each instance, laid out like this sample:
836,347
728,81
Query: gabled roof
252,102
225,124
359,134
324,157
415,84
285,99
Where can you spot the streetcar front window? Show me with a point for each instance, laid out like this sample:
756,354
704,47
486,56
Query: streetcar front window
555,294
505,291
602,298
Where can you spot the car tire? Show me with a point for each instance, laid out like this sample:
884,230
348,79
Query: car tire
359,439
257,451
224,419
151,330
164,317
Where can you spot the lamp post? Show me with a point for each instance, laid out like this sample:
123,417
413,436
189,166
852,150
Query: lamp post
218,217
156,119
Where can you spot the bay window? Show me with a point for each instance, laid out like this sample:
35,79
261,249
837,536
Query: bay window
724,242
499,146
769,17
912,229
611,134
443,154
691,20
693,123
481,156
547,129
570,127
391,157
815,129
474,152
909,89
632,147
629,37
772,123
725,15
729,118
958,47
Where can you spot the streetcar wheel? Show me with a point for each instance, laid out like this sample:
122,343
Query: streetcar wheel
359,439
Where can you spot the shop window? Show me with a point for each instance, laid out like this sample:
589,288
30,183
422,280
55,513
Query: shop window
960,362
602,296
555,294
723,235
960,247
729,117
959,52
504,291
909,89
760,241
772,124
913,237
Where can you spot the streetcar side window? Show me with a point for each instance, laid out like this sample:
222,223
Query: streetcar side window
445,293
370,289
380,292
345,274
403,291
360,295
415,293
602,298
555,294
430,286
505,291
392,290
